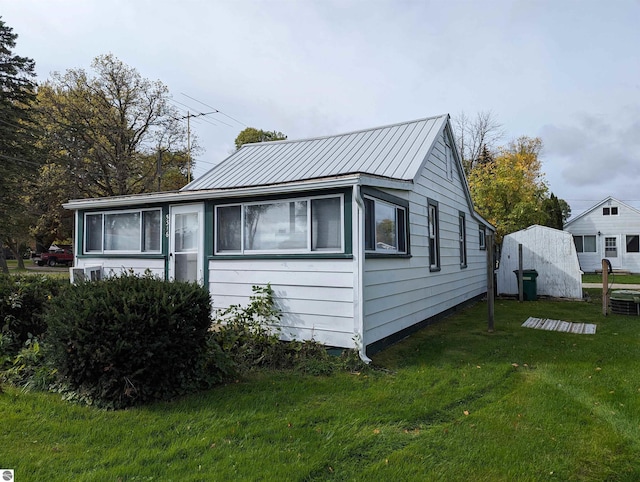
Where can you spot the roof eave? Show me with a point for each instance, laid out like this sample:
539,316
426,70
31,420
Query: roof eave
283,188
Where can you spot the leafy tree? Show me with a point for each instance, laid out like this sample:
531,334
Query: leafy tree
509,191
252,135
17,141
106,133
107,128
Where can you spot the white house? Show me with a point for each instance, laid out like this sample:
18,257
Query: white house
611,230
364,236
551,253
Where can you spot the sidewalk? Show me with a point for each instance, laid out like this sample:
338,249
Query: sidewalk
614,286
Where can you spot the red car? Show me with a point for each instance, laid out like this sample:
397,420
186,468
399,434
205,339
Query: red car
57,256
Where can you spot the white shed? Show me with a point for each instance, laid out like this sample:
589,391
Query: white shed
551,253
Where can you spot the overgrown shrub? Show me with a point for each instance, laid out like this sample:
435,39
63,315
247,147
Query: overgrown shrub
250,335
28,369
132,339
23,299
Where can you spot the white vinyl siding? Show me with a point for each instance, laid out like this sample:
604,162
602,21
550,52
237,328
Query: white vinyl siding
314,296
117,266
402,292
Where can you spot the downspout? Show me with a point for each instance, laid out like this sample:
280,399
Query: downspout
359,288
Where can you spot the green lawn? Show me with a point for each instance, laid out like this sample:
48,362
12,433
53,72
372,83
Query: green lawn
452,402
613,278
30,268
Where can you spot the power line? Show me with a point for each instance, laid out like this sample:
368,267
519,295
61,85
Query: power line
211,107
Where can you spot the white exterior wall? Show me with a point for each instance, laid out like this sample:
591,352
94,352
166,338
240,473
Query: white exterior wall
116,266
551,253
402,292
315,296
627,222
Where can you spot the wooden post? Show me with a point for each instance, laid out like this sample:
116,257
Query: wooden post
490,285
520,275
605,287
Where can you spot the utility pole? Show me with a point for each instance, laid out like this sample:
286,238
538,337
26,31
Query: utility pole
490,285
188,117
188,147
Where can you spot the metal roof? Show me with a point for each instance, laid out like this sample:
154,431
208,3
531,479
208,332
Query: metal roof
396,151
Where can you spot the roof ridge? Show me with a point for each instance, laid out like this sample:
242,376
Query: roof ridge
358,131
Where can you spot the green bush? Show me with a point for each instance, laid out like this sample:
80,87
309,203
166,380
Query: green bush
23,299
250,336
132,339
29,369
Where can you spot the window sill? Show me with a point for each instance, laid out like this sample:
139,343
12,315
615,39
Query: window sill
387,255
281,256
123,255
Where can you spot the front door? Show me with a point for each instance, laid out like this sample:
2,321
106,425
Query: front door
612,250
186,243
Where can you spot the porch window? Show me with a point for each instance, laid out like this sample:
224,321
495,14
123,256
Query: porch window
293,226
276,226
633,243
585,244
385,227
133,231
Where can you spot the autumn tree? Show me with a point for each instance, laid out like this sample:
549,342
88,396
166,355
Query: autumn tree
107,128
510,190
17,143
107,132
252,135
477,137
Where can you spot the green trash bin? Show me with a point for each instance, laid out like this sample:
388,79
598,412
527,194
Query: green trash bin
529,284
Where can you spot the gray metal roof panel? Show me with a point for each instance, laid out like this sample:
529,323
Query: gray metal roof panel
396,151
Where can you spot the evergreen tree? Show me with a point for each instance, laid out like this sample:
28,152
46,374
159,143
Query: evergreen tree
553,210
17,141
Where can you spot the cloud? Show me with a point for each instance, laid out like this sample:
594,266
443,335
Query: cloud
594,151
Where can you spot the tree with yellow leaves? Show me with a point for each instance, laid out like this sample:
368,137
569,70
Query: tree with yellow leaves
509,189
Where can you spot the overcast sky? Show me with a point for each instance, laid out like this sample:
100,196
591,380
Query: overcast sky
566,71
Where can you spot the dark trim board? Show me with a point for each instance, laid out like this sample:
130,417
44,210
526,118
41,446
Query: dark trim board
386,342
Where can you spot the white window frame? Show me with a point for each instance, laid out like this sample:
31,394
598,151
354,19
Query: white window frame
582,236
626,244
307,250
140,250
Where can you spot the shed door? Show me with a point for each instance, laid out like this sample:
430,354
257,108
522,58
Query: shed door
186,243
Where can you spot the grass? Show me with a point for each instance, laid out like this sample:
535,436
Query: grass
58,272
613,278
452,402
